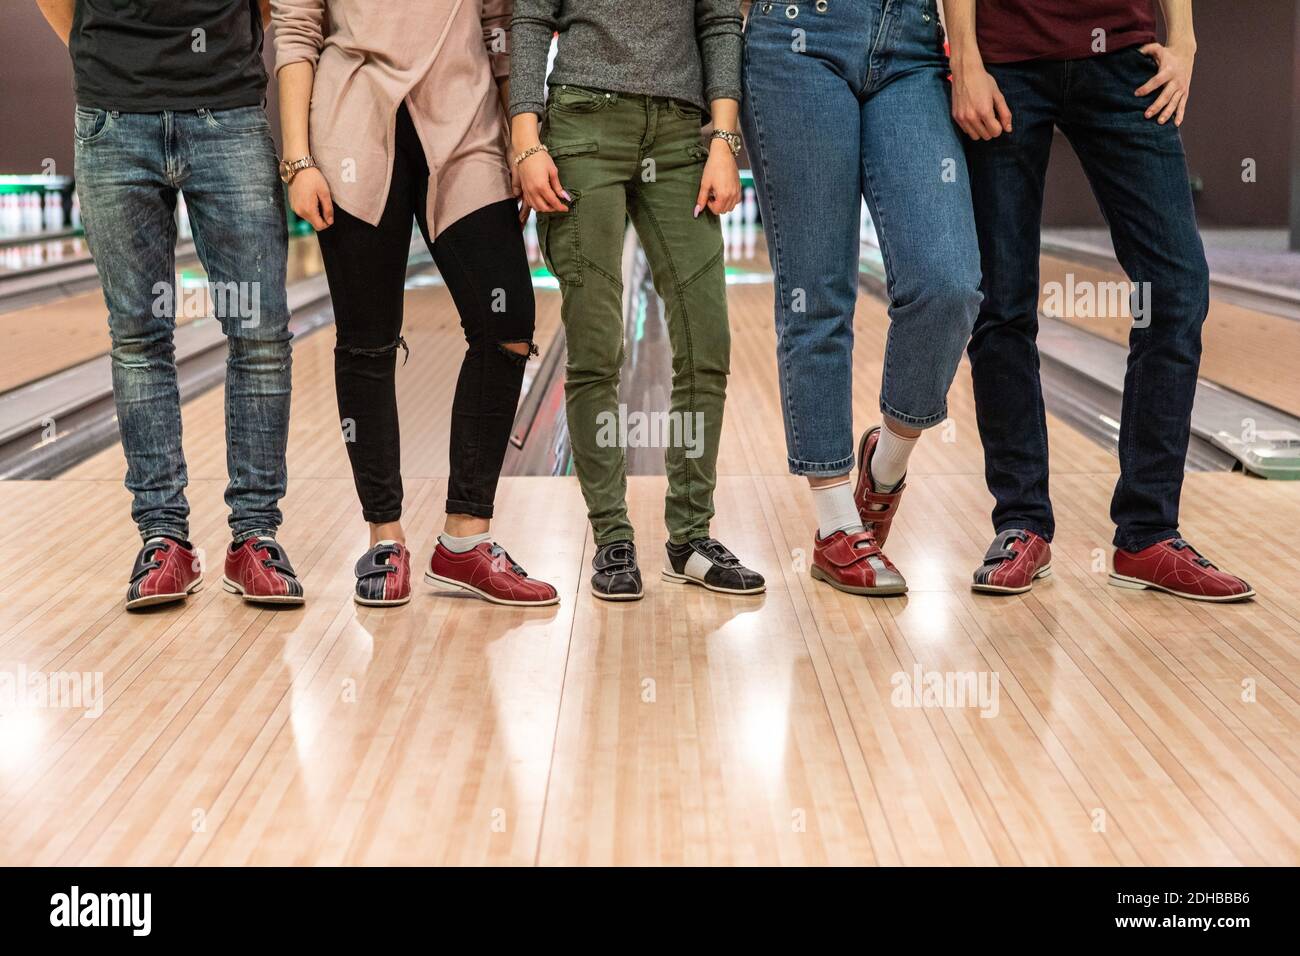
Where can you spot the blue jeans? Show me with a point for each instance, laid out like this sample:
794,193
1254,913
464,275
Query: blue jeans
1139,174
130,168
842,104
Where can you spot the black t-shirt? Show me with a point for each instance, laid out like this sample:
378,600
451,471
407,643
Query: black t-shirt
142,56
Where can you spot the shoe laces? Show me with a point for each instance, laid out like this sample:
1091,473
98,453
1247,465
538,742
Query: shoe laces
717,552
1178,544
502,559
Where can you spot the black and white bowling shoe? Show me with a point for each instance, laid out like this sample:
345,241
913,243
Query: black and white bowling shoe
617,577
707,563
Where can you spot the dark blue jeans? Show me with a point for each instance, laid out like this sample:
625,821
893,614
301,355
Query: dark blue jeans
1138,173
130,168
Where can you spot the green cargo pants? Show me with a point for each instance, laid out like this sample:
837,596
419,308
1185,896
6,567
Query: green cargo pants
619,157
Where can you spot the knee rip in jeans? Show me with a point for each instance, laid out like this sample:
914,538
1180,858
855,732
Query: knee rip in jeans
341,349
518,357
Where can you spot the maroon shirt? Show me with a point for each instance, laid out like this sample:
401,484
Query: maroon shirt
1013,30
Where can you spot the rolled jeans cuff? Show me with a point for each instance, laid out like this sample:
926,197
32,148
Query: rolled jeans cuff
912,421
175,533
459,507
829,469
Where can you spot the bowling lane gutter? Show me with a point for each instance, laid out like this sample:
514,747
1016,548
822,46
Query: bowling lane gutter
52,424
1083,384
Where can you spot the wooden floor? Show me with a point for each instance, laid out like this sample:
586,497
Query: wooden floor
691,728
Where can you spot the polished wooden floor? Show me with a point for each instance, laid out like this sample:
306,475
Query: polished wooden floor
691,728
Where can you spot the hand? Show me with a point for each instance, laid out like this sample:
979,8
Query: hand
540,182
309,195
720,184
1174,73
517,187
978,106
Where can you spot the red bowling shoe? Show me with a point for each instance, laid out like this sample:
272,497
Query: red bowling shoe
259,571
488,571
856,565
165,571
876,509
1015,560
384,576
1175,567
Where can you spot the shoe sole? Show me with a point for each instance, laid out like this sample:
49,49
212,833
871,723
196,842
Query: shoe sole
890,591
1136,584
153,600
431,578
1042,572
615,598
286,599
687,579
371,602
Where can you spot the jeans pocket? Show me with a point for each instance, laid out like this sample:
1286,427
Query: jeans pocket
244,119
687,111
90,124
578,99
559,236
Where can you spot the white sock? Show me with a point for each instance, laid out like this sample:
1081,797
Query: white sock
889,460
836,510
461,545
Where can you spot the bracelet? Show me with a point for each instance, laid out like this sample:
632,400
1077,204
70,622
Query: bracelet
732,140
539,148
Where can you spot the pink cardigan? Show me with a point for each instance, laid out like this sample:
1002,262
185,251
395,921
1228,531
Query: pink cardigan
442,57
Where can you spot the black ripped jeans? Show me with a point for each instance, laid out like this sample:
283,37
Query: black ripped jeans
482,260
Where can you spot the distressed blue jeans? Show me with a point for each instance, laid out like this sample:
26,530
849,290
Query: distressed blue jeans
130,169
846,100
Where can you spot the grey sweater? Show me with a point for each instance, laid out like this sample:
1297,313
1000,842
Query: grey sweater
683,49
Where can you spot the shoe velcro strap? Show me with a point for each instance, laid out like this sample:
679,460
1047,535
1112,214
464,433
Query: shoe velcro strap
883,505
372,561
1000,550
852,550
615,558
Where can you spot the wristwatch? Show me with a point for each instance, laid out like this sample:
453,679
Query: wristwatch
290,169
731,139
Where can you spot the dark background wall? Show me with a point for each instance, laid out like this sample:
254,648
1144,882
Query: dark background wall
36,101
1242,107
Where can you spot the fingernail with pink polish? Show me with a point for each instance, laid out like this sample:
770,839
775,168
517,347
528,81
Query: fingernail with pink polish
698,210
567,197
